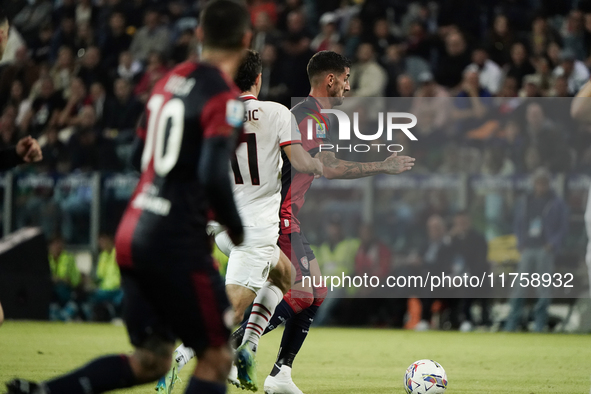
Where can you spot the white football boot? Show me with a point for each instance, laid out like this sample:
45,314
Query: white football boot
281,383
233,377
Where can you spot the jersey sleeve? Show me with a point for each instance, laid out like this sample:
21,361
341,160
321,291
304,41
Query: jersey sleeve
221,115
315,136
287,128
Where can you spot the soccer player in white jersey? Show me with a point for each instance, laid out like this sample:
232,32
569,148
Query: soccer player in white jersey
257,269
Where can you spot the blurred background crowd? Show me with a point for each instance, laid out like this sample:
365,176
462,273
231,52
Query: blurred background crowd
478,75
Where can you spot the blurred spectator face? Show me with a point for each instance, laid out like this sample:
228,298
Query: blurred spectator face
365,53
77,89
269,55
45,34
455,44
328,29
416,30
568,65
479,56
512,131
263,22
16,90
509,88
541,186
462,223
92,57
534,115
553,52
65,57
588,22
538,25
87,117
518,53
542,66
435,228
355,27
68,25
337,47
531,89
380,29
406,86
154,61
151,19
97,91
117,22
122,90
7,123
471,78
46,88
105,243
575,21
295,22
21,55
393,54
84,31
56,247
125,59
335,232
501,25
561,87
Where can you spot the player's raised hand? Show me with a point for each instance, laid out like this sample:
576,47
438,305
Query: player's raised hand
29,150
395,164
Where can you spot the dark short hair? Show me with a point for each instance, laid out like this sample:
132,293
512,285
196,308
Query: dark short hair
224,23
327,62
3,15
250,68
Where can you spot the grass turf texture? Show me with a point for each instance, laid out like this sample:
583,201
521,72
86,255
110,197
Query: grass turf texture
334,361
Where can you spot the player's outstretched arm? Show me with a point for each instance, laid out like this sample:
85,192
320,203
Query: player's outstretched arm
581,106
213,170
341,169
27,150
302,161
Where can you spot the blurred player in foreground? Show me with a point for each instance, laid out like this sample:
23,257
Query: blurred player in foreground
193,122
257,268
328,73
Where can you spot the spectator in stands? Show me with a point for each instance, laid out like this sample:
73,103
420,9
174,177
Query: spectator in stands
574,70
123,110
153,37
435,256
553,54
472,104
295,54
64,70
499,40
382,37
543,74
128,68
89,150
470,250
66,282
368,78
180,50
519,66
35,14
560,88
328,33
106,282
44,111
353,37
540,225
546,137
273,86
453,60
542,34
432,107
115,41
22,69
86,13
65,36
91,70
336,256
490,74
573,33
40,47
97,98
18,99
418,42
85,39
77,98
405,86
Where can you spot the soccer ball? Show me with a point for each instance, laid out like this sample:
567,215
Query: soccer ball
425,377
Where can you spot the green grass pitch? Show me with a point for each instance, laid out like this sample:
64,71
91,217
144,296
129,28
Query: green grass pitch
343,361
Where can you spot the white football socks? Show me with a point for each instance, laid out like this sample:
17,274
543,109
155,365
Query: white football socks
263,308
183,355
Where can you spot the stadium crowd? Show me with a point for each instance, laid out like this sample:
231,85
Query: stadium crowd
77,74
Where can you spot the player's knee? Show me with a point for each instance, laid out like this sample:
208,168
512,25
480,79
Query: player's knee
299,300
152,361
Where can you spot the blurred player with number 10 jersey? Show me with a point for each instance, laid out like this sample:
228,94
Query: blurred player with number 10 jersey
193,124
